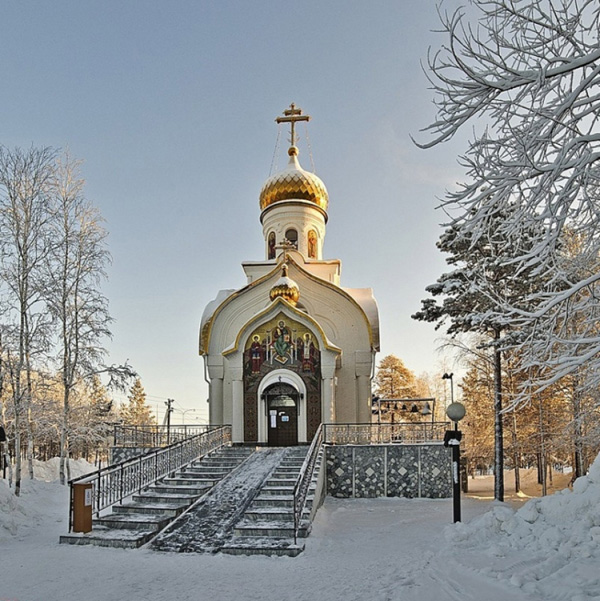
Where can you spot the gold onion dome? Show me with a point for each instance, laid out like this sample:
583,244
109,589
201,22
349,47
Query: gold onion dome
294,183
285,288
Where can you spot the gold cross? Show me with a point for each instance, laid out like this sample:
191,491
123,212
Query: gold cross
292,115
285,245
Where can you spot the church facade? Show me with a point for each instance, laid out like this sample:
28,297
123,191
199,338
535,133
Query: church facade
292,348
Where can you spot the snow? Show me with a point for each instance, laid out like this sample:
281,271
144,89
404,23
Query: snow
369,549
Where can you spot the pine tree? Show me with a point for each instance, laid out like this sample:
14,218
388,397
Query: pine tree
137,412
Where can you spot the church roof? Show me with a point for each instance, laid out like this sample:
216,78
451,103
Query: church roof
294,183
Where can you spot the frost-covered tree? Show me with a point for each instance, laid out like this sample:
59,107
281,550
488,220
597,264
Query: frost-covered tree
26,180
529,71
470,299
75,268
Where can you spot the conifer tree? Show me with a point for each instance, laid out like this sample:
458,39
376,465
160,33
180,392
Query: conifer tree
137,412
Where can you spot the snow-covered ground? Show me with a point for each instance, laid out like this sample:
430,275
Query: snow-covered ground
379,549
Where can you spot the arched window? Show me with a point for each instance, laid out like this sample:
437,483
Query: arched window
292,236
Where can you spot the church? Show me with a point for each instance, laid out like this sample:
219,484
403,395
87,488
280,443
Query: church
293,348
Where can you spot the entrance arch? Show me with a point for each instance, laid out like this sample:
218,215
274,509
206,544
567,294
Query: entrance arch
292,385
281,400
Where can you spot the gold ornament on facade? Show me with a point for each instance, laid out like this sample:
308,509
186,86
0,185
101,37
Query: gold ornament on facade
285,288
294,183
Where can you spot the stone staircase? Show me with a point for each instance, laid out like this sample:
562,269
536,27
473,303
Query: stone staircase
267,525
135,522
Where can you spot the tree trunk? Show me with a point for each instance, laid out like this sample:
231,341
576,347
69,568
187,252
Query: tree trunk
498,430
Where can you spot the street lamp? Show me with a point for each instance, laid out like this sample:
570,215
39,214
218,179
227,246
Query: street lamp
452,438
183,412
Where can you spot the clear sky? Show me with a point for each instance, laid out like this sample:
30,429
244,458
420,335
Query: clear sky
172,104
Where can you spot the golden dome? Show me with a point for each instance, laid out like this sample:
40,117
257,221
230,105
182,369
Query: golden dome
294,183
286,288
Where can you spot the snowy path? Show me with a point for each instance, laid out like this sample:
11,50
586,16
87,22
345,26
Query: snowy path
367,550
207,525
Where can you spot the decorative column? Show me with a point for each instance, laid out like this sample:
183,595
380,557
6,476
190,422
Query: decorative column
328,392
237,420
215,392
364,366
215,403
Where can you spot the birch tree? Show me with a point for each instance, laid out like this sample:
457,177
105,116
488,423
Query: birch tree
76,267
529,71
26,180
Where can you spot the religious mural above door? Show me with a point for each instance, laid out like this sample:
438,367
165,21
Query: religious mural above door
281,342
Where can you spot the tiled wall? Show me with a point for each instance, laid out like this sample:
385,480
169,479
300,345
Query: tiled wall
389,471
118,454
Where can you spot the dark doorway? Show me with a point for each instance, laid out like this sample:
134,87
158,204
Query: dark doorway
282,415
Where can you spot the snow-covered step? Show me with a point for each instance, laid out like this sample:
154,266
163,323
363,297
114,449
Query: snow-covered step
134,523
277,490
269,528
107,537
246,545
168,509
278,482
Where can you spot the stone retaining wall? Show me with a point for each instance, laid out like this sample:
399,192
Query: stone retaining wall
118,454
389,471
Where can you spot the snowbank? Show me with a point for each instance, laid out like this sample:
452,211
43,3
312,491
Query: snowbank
49,470
543,544
38,496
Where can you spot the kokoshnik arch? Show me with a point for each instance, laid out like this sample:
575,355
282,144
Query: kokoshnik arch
293,348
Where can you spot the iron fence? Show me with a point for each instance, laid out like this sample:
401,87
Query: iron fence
155,436
397,433
114,483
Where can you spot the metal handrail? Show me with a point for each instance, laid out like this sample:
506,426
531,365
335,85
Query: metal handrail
305,477
114,483
155,435
397,433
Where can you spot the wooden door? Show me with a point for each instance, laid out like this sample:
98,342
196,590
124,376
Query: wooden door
282,416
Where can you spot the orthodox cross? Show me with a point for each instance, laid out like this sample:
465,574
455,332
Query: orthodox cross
292,115
285,245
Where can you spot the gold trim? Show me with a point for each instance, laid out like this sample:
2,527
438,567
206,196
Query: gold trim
273,307
206,331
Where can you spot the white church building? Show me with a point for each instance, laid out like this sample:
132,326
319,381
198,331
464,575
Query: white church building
292,348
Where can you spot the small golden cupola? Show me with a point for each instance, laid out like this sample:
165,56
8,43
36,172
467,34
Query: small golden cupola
285,288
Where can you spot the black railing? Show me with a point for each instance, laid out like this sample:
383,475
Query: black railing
114,483
304,479
155,436
398,433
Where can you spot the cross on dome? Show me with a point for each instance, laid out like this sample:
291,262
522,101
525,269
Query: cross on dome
291,116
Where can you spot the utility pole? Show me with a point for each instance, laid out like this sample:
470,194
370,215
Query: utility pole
169,403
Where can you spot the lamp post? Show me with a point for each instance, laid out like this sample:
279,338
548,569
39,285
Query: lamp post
452,438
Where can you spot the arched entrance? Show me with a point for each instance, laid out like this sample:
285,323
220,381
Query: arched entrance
281,401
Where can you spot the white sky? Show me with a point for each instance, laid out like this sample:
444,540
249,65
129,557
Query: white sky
172,107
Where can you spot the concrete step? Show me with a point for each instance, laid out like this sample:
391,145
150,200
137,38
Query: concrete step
269,528
247,545
161,489
168,509
281,482
104,537
167,498
277,490
133,521
261,514
184,481
273,501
